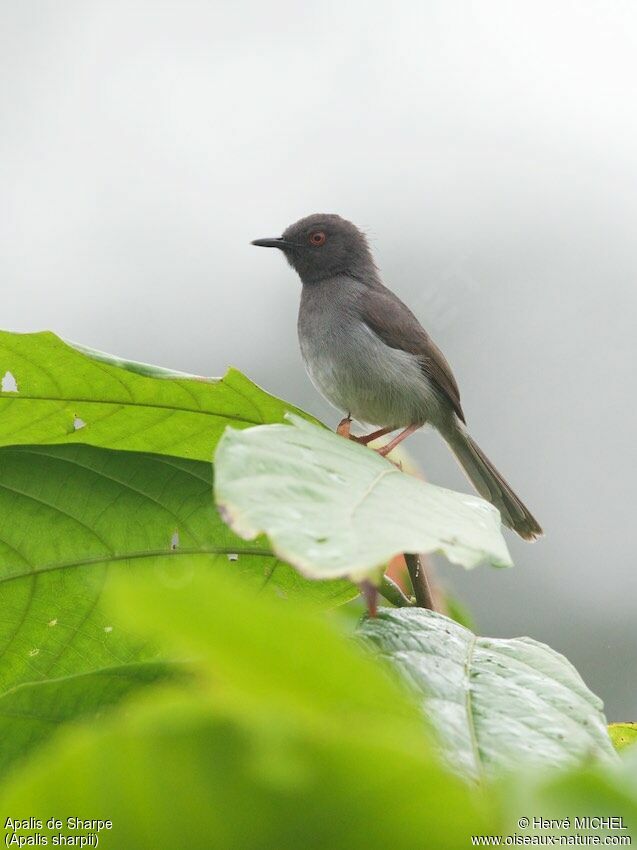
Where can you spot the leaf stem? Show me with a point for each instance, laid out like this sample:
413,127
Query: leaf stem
394,594
419,581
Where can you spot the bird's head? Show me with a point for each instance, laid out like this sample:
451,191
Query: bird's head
324,245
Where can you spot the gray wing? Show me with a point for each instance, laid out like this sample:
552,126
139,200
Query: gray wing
394,323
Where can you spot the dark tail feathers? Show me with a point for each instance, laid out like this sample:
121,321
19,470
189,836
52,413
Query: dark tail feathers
491,485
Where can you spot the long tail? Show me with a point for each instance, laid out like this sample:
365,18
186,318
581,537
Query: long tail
490,484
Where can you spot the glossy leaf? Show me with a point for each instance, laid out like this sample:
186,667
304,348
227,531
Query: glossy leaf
496,704
53,392
334,508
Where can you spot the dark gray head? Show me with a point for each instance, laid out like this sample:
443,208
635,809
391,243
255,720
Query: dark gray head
324,245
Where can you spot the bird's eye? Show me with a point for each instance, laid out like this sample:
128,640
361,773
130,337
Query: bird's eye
317,238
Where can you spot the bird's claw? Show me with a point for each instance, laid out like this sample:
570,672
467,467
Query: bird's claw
384,451
343,428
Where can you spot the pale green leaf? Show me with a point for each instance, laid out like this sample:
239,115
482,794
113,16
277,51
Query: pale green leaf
334,508
495,703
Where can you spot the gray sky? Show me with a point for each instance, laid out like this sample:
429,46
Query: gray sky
487,148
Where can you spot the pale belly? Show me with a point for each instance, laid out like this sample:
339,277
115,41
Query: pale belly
376,384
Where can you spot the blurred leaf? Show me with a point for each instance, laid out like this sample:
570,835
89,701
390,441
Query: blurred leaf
53,392
299,740
334,508
74,517
178,773
623,734
31,713
495,703
288,663
458,611
605,793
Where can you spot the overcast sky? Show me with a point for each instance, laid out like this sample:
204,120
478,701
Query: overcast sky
489,150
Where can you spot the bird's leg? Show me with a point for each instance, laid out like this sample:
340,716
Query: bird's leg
344,426
385,450
373,436
370,595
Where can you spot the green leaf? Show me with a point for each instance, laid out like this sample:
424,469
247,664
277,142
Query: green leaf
290,736
74,517
53,392
623,734
334,508
31,713
495,703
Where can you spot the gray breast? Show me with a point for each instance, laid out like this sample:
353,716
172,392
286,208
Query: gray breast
352,367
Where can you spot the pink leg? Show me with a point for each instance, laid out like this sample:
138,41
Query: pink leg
373,436
393,443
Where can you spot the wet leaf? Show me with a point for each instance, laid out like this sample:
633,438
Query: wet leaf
334,508
496,704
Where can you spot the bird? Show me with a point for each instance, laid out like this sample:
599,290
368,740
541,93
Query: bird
369,356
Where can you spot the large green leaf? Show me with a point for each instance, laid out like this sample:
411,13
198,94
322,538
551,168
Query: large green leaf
31,713
495,703
52,392
73,517
334,508
290,736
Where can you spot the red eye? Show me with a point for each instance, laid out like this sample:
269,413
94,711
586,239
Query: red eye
317,238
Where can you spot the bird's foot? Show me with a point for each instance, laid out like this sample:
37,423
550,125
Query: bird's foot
343,428
397,463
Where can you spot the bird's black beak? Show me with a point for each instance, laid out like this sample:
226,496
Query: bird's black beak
278,242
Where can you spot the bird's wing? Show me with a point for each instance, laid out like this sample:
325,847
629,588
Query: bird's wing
394,323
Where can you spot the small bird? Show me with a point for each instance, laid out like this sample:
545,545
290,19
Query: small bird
366,352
